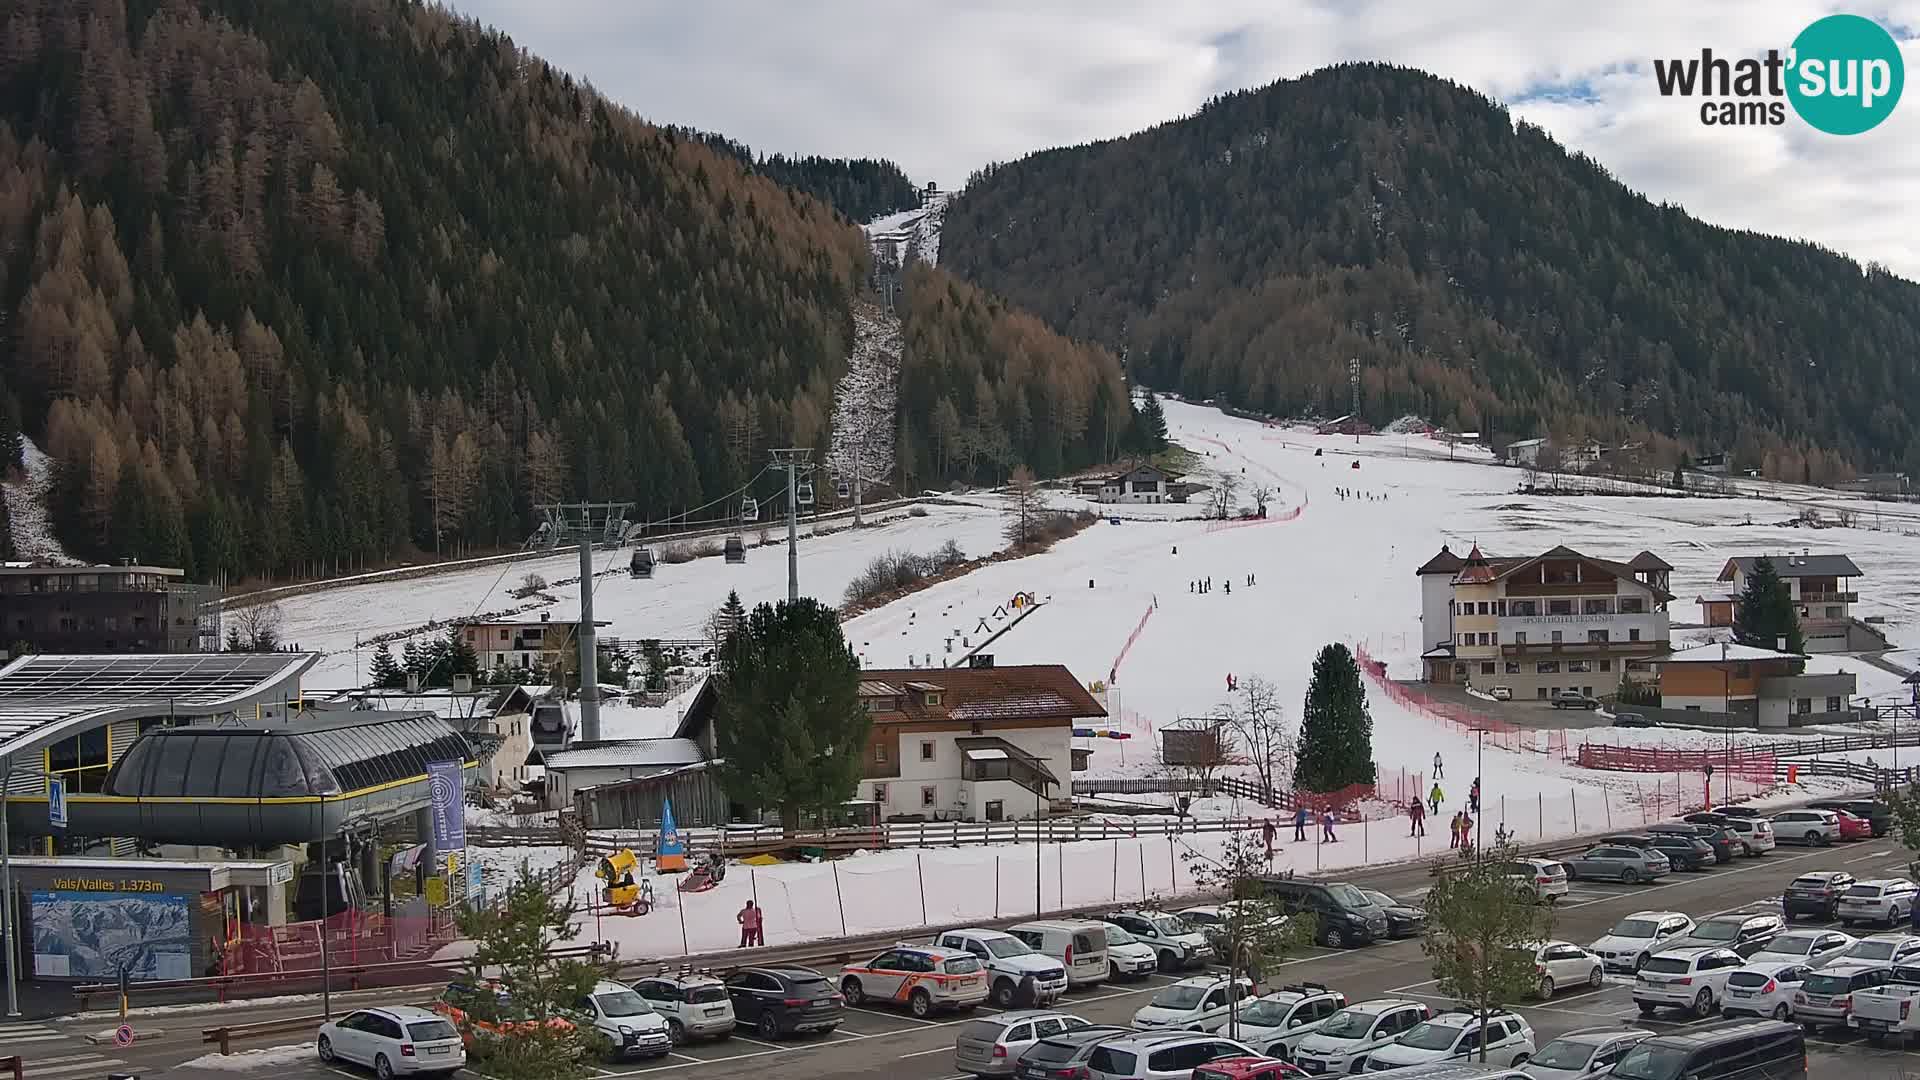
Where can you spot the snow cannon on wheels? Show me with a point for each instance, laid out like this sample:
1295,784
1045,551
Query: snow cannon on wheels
708,871
624,895
1356,463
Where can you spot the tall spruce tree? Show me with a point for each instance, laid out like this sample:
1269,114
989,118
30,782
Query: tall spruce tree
1336,730
456,658
384,674
788,725
1765,612
1153,424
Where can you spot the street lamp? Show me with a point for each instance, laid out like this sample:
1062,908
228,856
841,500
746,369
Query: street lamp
1726,711
1479,777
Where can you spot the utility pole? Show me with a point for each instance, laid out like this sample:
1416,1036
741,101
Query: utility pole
589,655
1353,380
797,461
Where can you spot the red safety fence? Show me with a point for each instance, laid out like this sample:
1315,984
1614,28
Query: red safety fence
1288,514
351,938
1113,673
1499,733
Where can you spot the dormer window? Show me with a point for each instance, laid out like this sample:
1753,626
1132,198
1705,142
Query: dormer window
933,699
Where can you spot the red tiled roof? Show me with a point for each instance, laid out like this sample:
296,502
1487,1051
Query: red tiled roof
975,695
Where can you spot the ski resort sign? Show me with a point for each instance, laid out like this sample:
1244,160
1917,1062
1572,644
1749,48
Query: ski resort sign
1842,75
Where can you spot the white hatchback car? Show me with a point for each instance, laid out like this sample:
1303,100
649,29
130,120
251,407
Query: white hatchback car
1562,963
1342,1042
696,1005
1453,1035
1809,948
1814,828
1636,937
1542,879
1691,979
1196,1004
1764,988
393,1040
1127,956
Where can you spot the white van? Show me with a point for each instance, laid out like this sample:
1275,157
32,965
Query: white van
1079,944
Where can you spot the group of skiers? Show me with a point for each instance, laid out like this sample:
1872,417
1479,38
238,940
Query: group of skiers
1349,493
1460,829
1205,585
1302,818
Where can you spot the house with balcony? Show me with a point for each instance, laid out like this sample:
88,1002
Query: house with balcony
124,608
1539,624
1143,483
1821,588
528,643
1753,687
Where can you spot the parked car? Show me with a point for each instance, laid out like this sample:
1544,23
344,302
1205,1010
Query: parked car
1733,811
1817,893
1216,921
1177,944
1877,814
695,1004
1813,948
1693,980
1887,1009
630,1026
1745,932
989,1045
1403,919
1893,949
1814,828
1254,1068
1344,914
1683,852
1882,900
1081,945
1826,996
1128,958
1742,1049
1719,837
784,999
1501,693
1631,719
1753,835
1450,1035
1342,1042
1583,1052
1017,974
1618,863
393,1040
1636,937
1562,963
1127,1055
1192,1004
923,977
1764,988
1574,699
1543,879
1276,1023
1853,827
485,1009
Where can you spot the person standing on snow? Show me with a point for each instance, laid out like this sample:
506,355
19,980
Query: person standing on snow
1417,814
1436,797
1300,819
1438,772
749,919
1327,818
1473,797
1266,833
1229,588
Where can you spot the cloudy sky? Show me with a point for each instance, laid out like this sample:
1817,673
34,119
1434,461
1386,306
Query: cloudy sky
943,88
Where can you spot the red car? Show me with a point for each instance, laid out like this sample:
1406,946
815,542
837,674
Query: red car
1854,828
1247,1068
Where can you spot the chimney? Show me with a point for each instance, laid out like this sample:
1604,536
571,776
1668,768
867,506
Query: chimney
543,616
1780,644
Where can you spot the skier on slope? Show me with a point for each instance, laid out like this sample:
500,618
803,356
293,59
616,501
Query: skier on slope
1438,772
1436,797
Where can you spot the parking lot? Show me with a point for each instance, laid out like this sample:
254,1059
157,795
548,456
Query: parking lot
881,1044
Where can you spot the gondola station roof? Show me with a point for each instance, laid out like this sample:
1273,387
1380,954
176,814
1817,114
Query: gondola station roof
45,698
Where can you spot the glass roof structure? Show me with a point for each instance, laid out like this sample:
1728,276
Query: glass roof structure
357,753
45,698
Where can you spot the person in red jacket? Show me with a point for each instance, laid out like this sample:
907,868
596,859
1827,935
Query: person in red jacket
1417,814
750,925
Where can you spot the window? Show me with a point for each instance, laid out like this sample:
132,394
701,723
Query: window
1559,607
933,699
1486,639
1597,607
1597,637
1466,639
879,753
1606,665
1833,612
1632,605
1459,669
1513,667
1803,705
1547,667
1579,665
1483,607
880,793
1486,668
1493,638
1526,607
1833,704
1556,636
926,750
1519,637
1500,608
1693,708
929,795
505,633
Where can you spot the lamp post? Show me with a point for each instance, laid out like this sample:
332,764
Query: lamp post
7,927
1479,777
1726,710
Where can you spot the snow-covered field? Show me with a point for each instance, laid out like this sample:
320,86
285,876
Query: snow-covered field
27,508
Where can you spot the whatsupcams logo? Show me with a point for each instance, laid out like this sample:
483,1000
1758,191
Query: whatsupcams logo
1842,75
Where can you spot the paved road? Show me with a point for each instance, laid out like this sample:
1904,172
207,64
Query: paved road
882,1045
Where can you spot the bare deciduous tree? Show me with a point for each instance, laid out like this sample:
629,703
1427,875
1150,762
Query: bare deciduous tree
1262,494
866,405
1193,751
1259,725
1025,507
1225,484
256,628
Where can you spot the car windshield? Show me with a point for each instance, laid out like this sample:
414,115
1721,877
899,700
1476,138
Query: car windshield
1563,1054
1264,1013
1347,1024
1380,898
1179,997
1348,896
1822,983
1646,1062
812,988
1792,944
622,1003
1717,931
1431,1036
432,1031
1171,925
1872,950
1118,936
960,965
1749,978
1667,965
1634,928
1008,946
1867,892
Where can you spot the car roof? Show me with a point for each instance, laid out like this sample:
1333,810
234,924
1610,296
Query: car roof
1210,980
685,978
1379,1004
1021,1016
1743,916
791,971
1656,915
1851,967
1823,875
1689,952
1717,1032
1068,924
1600,1036
1082,1036
938,952
406,1013
1162,1038
1770,967
1889,935
978,932
1882,881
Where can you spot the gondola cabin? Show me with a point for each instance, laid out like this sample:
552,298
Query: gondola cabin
736,550
642,564
749,510
803,493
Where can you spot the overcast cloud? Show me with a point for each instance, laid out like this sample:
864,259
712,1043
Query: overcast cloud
943,88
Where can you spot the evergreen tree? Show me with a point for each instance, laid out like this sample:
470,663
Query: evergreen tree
384,674
1764,613
1153,424
1336,729
513,943
656,662
457,658
10,451
788,725
732,614
412,661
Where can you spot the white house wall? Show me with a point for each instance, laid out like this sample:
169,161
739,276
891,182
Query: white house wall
1436,608
1052,745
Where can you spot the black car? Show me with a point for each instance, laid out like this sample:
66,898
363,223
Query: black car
1403,919
1719,837
781,999
1737,1049
1684,852
1631,719
1740,811
1876,813
1817,893
1345,916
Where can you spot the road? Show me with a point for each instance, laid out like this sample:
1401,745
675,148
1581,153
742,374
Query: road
877,1044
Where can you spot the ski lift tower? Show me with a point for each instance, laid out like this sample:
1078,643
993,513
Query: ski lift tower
798,461
584,524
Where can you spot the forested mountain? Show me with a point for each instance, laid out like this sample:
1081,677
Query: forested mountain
860,188
1483,276
287,288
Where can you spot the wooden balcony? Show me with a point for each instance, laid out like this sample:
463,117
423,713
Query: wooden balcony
1829,597
1583,648
1561,588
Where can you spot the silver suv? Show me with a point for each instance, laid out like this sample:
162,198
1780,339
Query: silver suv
1886,900
1171,1055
